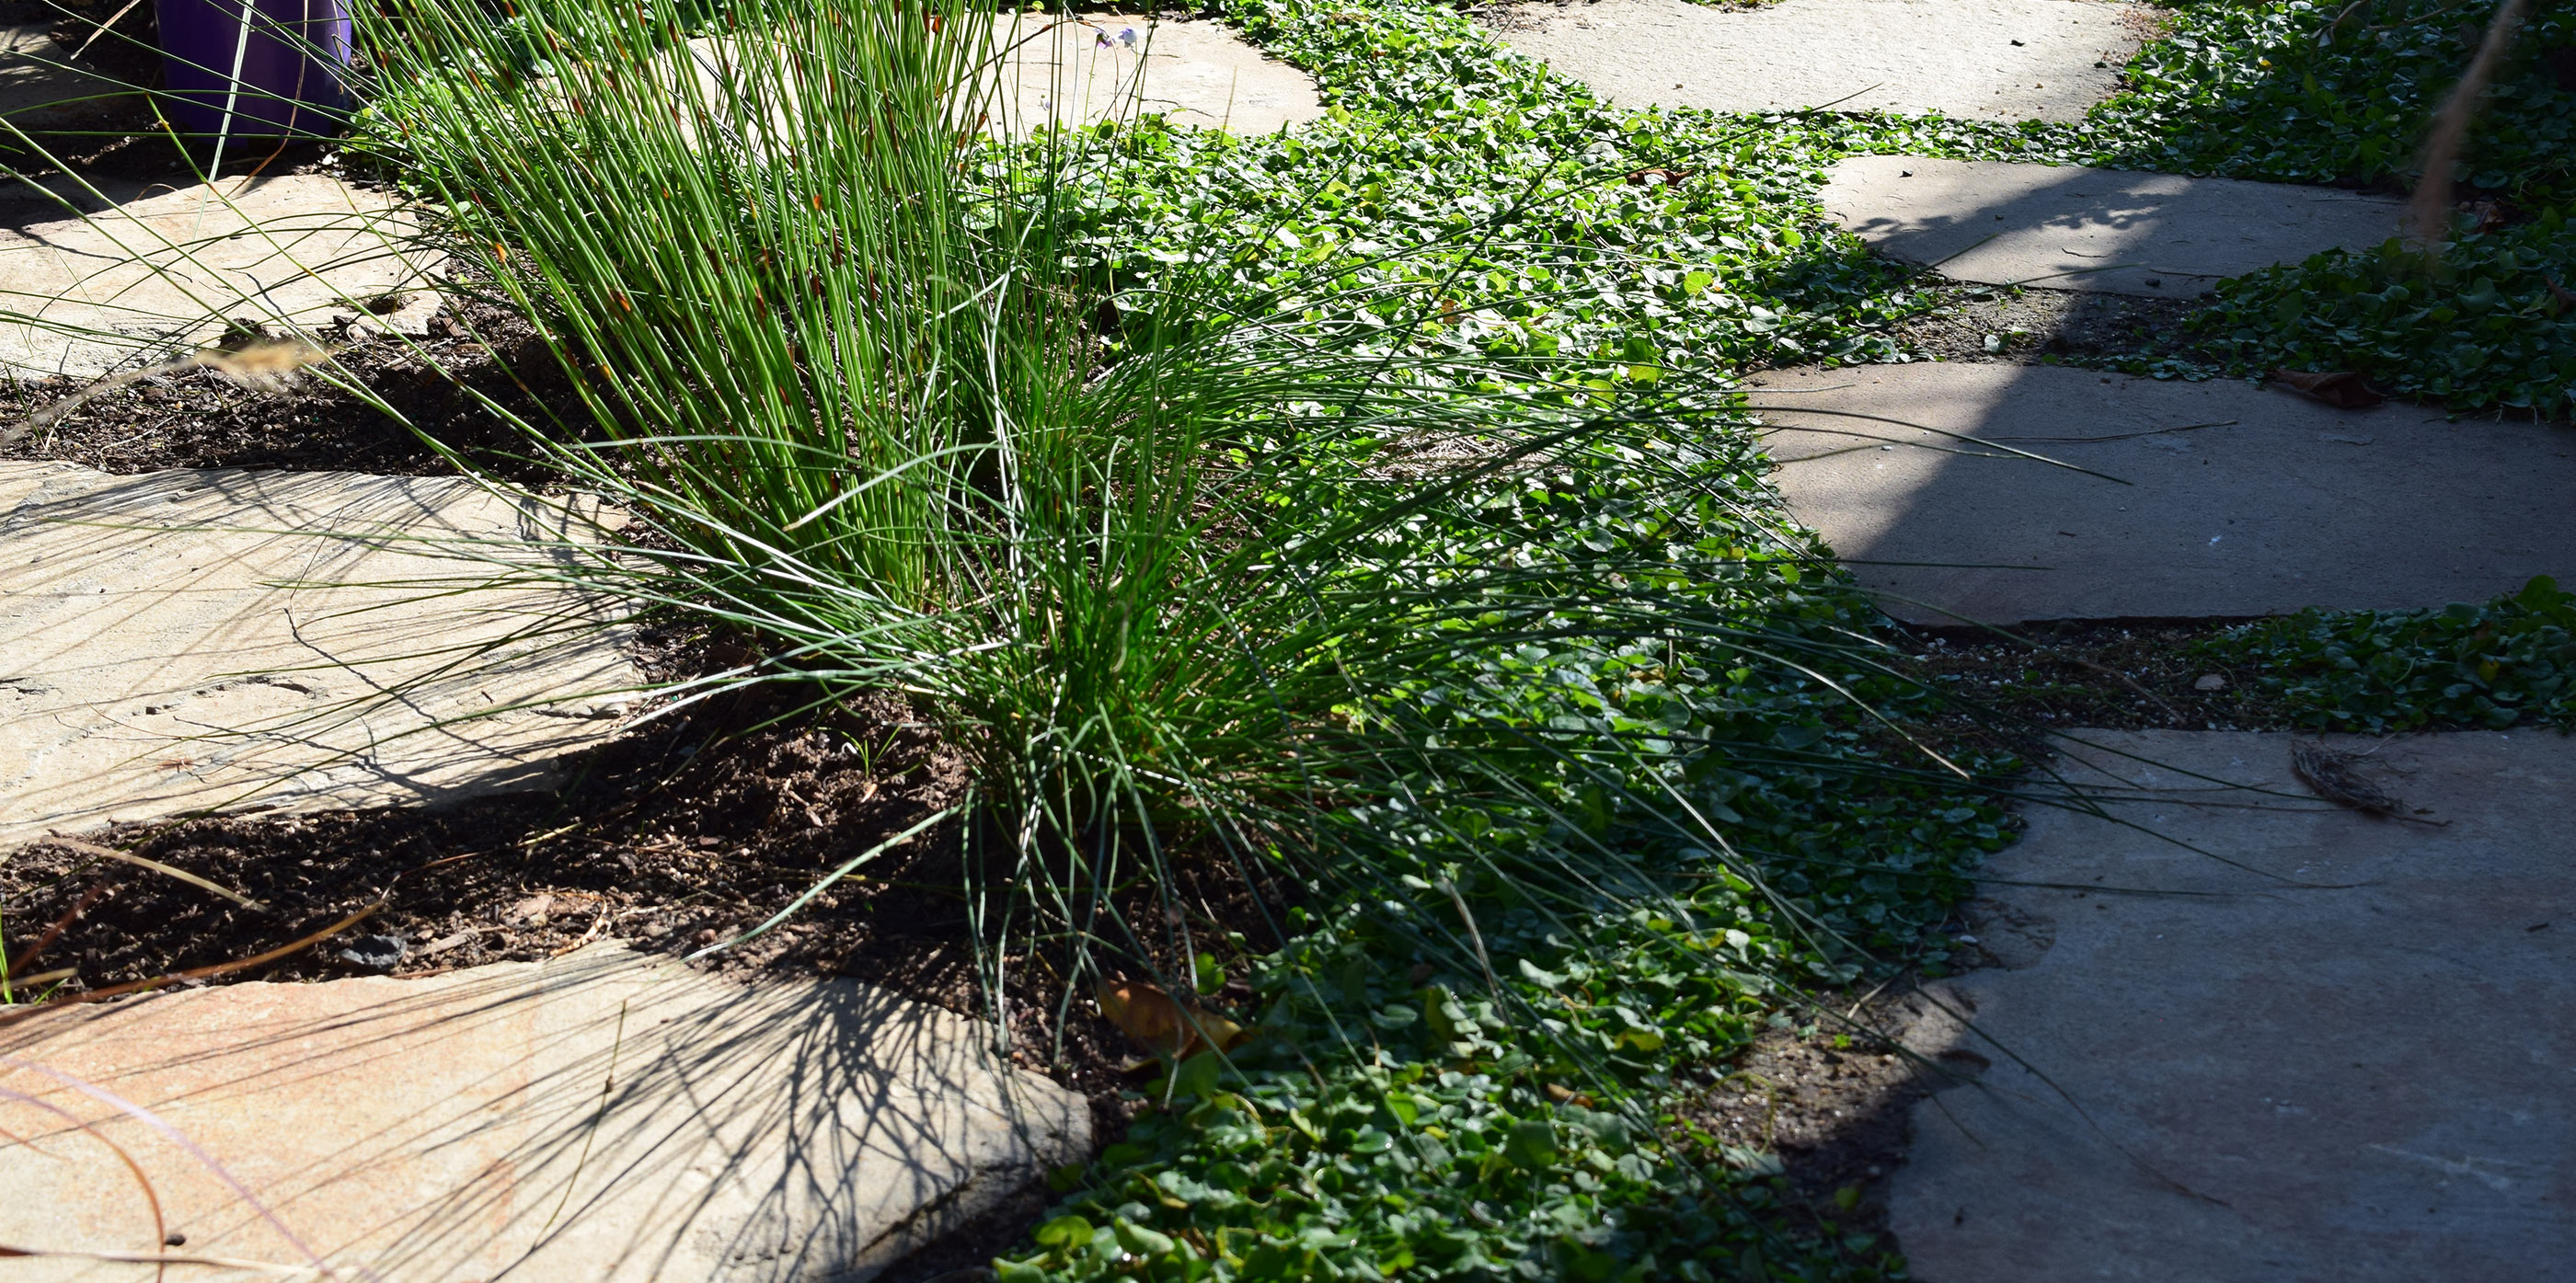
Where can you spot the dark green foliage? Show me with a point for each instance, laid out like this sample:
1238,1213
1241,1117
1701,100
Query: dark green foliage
2487,324
2508,662
2344,94
2284,90
2278,91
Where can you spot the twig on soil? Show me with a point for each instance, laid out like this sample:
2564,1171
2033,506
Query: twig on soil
267,366
200,973
117,17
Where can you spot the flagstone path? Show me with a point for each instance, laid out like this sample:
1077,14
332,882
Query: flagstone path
2245,1035
1197,73
2071,228
157,656
1980,59
96,279
1056,70
37,91
601,1116
2152,499
2237,1031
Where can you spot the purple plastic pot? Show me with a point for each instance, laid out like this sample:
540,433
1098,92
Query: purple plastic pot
260,66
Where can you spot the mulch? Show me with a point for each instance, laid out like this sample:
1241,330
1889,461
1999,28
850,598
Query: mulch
476,356
2111,675
1830,1102
681,835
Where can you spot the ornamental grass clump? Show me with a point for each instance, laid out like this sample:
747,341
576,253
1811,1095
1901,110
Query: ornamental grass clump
1541,748
1500,687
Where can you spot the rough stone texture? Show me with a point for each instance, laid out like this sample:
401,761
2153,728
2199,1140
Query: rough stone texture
2351,1059
37,91
2293,504
88,286
602,1116
1957,57
2066,227
1051,70
1194,73
157,656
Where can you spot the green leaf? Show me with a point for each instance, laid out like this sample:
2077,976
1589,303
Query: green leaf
1063,1232
1531,1145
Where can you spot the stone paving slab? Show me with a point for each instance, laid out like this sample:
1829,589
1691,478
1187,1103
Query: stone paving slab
1051,70
604,1116
1979,59
2290,504
1194,73
155,661
37,91
146,272
2066,227
2351,1059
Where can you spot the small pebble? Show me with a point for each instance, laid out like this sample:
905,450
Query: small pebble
2210,682
376,953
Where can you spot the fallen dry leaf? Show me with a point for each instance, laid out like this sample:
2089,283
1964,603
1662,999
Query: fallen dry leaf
2332,775
1160,1025
2340,388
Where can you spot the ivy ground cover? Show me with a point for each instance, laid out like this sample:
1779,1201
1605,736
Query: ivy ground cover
1616,772
1677,240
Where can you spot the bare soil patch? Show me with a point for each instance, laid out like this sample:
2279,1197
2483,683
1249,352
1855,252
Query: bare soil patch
2115,675
1829,1102
200,419
2018,326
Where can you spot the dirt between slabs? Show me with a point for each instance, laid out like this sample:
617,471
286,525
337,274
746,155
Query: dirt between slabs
2018,325
1827,1106
683,834
198,418
2145,674
700,825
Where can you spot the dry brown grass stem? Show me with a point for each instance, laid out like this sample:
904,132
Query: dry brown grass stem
2431,210
270,365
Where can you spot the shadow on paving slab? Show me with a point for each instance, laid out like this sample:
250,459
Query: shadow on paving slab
2156,499
230,639
2067,227
2241,1035
600,1116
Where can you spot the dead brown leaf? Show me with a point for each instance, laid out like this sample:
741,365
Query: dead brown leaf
2340,388
2332,775
1163,1026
